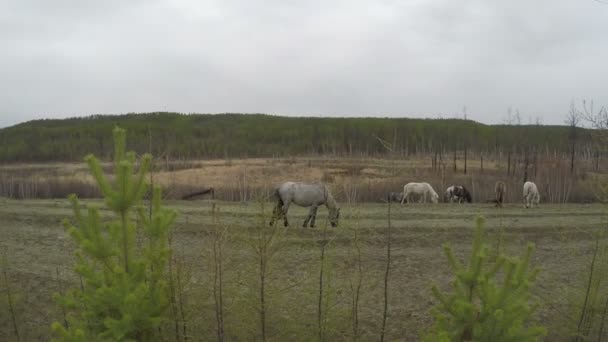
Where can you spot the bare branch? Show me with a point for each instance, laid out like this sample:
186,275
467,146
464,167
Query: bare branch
385,144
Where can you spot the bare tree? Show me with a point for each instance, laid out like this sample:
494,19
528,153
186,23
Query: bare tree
466,143
572,120
517,117
596,119
509,120
599,119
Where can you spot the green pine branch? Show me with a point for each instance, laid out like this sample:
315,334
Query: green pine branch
490,297
124,294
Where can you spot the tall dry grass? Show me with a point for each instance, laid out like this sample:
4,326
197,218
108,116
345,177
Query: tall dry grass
352,180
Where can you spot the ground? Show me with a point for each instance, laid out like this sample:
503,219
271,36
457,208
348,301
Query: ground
39,258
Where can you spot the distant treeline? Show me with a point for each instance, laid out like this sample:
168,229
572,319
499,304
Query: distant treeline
206,136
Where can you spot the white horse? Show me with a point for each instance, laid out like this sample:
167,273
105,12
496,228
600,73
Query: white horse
531,195
305,195
423,190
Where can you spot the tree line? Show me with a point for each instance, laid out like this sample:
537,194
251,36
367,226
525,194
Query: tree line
198,136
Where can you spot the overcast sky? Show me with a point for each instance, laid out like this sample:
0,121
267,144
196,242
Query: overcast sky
419,58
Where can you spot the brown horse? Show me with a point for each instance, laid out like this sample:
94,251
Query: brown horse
500,190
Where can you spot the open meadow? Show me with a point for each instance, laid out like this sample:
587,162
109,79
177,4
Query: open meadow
39,262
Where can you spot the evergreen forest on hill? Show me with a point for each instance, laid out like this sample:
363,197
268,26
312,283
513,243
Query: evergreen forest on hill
209,136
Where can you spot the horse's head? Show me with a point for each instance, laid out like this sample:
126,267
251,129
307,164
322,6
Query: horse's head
334,217
434,197
447,195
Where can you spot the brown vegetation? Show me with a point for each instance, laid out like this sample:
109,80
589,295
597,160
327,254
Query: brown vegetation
351,179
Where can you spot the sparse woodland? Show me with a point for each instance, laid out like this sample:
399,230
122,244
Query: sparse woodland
199,136
244,156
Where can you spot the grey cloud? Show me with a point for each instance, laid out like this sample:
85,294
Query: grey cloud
391,58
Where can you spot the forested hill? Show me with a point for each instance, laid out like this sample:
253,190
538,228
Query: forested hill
196,136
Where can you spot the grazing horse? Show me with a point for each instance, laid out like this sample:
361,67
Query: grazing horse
305,195
531,195
458,193
422,190
395,196
500,190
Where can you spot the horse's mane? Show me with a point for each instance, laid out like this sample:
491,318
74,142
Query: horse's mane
430,187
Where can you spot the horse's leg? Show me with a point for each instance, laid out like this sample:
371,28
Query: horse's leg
313,213
308,218
284,210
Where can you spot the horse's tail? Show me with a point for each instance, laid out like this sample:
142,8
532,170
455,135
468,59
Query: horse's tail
467,194
277,195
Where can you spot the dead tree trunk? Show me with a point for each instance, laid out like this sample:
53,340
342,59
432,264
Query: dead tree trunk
535,163
526,164
572,159
465,159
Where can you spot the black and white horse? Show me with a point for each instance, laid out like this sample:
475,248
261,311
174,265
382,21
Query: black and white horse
395,196
458,193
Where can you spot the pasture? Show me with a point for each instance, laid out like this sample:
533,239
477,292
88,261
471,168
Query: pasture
39,262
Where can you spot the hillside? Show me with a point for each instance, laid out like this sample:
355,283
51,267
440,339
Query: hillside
201,136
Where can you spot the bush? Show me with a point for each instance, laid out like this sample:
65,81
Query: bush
490,297
124,294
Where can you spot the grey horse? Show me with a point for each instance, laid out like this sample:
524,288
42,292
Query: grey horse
305,195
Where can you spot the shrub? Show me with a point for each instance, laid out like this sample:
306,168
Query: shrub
490,297
124,294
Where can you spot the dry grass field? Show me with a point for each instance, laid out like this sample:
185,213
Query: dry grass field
39,261
352,180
